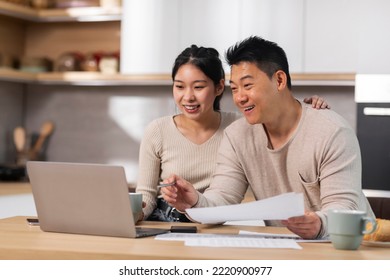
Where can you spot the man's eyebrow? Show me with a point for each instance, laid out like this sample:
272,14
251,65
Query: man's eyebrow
196,81
243,78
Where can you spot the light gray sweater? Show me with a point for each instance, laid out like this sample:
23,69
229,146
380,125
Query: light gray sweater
165,151
321,160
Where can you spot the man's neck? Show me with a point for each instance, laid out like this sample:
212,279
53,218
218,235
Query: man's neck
283,126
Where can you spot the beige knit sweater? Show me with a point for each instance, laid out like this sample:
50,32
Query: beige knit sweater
165,151
321,160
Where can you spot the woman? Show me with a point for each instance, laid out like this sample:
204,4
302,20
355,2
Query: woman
186,144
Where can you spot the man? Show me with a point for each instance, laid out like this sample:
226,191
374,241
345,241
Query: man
281,146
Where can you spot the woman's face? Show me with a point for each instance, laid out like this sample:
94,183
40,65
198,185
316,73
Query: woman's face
194,92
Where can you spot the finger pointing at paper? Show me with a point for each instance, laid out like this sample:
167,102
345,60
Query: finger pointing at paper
182,195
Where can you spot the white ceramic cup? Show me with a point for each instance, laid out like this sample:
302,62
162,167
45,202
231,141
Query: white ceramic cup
347,227
136,205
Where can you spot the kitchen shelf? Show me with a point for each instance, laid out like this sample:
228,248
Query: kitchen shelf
61,15
323,79
99,79
16,76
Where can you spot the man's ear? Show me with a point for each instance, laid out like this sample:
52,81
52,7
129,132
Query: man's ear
281,79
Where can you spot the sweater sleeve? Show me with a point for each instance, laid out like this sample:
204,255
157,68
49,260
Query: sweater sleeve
340,175
229,183
149,166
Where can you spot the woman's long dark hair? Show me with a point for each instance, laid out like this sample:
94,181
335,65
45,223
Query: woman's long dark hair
208,61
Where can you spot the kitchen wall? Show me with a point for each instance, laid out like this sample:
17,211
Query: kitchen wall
106,124
11,115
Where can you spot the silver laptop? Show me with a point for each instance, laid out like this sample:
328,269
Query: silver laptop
84,198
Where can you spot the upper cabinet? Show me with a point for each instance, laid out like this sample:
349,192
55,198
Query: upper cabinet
279,21
149,36
347,36
335,36
374,41
154,32
331,36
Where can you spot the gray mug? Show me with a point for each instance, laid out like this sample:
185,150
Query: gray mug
347,227
136,205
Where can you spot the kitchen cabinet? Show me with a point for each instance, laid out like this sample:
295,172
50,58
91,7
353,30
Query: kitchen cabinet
374,44
346,36
173,26
331,36
306,31
279,21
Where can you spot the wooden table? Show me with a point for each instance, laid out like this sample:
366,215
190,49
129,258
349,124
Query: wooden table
14,188
18,240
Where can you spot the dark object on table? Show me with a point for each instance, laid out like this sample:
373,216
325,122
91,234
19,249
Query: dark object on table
12,172
380,206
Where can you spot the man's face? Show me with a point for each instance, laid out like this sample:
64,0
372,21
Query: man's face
253,92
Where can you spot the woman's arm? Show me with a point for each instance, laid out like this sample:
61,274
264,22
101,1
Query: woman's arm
149,168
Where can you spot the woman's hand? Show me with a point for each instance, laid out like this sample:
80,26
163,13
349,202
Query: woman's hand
142,216
317,102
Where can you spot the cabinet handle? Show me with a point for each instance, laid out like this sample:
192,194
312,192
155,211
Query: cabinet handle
374,111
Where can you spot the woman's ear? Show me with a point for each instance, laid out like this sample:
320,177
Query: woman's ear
220,87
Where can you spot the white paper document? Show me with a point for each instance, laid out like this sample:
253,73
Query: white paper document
279,207
244,243
293,236
229,240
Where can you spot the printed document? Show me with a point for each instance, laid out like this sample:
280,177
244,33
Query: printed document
279,207
230,240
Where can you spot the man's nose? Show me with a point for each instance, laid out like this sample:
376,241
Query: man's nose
240,97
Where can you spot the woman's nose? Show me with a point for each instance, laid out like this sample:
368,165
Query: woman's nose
189,95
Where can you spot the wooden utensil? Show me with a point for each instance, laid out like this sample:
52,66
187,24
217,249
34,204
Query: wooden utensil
47,128
19,139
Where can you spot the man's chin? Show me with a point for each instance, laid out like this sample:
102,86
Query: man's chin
251,121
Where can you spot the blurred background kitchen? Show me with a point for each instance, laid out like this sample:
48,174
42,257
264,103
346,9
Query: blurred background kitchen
80,80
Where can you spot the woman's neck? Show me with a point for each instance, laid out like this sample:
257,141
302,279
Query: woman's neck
198,130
